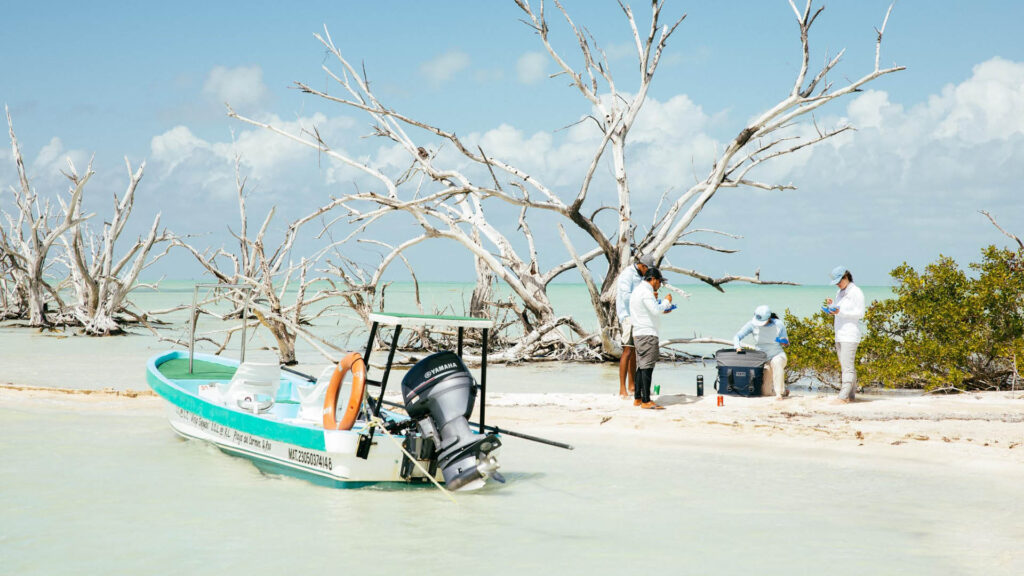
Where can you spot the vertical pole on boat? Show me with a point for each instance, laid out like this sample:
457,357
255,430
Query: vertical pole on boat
461,330
245,320
369,346
387,370
192,331
483,381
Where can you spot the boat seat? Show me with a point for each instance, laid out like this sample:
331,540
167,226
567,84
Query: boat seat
254,386
311,398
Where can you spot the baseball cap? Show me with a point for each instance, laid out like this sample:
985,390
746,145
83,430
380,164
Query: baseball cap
837,274
762,315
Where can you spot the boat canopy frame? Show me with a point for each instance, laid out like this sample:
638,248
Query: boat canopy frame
398,320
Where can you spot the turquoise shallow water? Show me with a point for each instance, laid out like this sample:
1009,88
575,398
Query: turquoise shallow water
28,357
109,489
106,487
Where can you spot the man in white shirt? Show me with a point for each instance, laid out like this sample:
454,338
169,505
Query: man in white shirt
848,309
645,312
627,280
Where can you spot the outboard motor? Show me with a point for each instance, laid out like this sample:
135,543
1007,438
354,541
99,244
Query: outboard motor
439,394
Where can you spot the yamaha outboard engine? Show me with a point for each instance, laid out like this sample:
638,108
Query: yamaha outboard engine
439,394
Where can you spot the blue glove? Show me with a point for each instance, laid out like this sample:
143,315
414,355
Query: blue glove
783,341
671,308
829,309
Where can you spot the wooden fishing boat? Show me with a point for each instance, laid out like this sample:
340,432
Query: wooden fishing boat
334,429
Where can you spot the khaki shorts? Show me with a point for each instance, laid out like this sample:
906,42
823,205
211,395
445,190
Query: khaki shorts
648,351
626,329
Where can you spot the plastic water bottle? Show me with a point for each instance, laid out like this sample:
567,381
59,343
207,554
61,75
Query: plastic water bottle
700,384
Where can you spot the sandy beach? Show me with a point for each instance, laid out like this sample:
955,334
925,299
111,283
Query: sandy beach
978,429
975,429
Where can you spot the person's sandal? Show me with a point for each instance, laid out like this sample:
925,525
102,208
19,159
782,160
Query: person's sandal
651,406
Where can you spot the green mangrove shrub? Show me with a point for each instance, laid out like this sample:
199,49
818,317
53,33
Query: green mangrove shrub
945,328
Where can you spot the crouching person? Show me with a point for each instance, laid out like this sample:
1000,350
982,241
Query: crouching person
645,311
770,337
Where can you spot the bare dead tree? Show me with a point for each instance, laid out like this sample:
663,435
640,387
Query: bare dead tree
8,295
447,202
756,143
272,273
26,236
101,279
761,141
483,292
615,113
455,212
1011,236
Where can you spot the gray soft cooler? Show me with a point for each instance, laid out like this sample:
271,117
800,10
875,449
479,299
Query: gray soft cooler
740,373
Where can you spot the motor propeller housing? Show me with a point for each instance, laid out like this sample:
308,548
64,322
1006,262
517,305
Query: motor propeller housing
439,394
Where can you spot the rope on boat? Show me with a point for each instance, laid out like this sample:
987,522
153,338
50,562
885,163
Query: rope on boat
378,423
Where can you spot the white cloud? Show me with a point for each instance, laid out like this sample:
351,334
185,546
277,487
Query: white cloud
866,110
907,185
45,167
241,87
989,105
666,141
987,108
911,177
445,67
269,161
531,67
173,147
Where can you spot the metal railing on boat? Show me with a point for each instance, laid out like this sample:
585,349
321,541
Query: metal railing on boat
195,316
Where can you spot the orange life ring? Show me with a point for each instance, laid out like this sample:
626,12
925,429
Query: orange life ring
355,363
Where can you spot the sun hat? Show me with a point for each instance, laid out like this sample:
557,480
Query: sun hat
837,274
762,315
646,260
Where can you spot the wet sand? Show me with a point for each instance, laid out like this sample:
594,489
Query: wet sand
978,429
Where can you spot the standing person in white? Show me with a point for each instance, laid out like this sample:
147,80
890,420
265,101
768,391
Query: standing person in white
627,280
770,334
848,309
645,313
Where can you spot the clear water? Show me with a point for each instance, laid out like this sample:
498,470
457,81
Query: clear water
51,359
91,487
110,490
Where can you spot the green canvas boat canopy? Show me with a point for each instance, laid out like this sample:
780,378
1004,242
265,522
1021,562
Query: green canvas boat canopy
400,319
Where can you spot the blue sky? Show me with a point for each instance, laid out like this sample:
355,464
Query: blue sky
935,143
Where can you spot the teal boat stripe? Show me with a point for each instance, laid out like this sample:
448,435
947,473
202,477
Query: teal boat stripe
247,423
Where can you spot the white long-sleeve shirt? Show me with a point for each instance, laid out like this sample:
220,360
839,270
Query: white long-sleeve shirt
850,302
767,336
645,311
624,285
